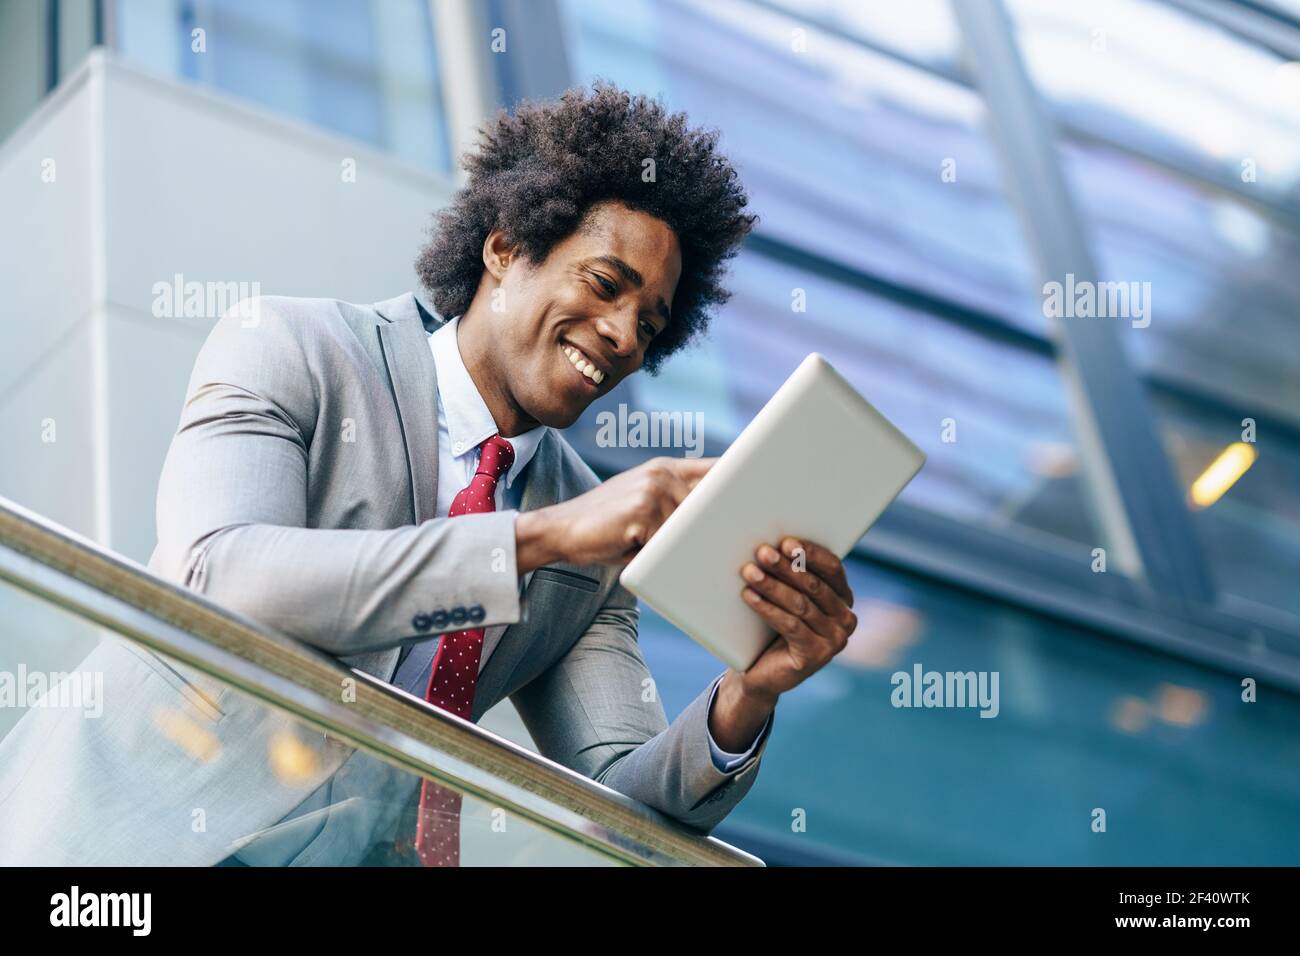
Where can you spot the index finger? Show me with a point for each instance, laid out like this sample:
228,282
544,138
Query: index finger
824,564
691,470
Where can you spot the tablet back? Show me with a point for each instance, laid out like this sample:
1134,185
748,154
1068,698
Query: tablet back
817,462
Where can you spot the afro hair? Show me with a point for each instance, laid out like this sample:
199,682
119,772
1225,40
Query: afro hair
538,171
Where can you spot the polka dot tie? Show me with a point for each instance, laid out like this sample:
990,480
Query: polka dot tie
455,671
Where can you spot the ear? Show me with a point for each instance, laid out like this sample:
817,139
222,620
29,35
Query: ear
498,253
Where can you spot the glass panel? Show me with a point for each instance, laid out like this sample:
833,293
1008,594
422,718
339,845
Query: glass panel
1249,523
364,69
1167,749
1223,300
126,759
843,150
1168,84
44,43
1224,287
928,33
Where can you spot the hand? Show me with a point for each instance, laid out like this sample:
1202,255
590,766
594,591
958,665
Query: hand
810,610
613,521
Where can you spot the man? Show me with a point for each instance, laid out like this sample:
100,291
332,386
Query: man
363,478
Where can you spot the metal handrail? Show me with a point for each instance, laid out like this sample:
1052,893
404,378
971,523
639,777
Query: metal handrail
76,574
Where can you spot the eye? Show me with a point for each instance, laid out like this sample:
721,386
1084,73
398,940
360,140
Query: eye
606,286
648,328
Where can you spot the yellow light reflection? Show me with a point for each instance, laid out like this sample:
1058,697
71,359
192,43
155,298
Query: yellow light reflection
1181,706
1232,463
1130,714
884,630
291,760
199,742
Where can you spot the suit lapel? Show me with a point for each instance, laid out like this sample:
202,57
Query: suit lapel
414,379
542,487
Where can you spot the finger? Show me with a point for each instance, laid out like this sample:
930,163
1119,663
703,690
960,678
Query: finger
822,562
790,626
691,470
810,583
649,520
626,557
675,477
788,598
675,488
665,482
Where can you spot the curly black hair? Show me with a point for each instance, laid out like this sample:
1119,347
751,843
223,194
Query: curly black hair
538,171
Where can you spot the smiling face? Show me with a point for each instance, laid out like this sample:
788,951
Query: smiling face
553,336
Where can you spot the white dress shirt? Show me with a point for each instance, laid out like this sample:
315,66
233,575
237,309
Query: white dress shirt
464,421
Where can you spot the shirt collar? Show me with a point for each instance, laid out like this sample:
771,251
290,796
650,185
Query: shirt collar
468,420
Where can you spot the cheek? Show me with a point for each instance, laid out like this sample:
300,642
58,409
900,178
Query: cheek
542,319
533,343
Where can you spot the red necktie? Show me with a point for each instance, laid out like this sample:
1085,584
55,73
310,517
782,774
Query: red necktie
455,671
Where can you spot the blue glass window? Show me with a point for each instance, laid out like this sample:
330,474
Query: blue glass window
364,69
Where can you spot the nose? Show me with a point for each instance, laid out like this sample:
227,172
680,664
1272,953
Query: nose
618,329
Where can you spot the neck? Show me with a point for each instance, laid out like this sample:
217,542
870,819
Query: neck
474,342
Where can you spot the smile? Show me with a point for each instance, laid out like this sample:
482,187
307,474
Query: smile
582,363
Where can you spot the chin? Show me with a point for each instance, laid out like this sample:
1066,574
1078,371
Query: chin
554,414
559,417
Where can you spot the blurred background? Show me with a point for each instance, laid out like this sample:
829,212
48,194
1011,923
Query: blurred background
920,171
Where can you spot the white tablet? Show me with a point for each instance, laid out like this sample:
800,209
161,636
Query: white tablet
817,462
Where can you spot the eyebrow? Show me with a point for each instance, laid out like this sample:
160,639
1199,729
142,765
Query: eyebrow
632,276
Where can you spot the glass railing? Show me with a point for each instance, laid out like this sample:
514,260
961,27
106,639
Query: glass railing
234,745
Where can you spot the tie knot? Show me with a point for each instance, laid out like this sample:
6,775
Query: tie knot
495,457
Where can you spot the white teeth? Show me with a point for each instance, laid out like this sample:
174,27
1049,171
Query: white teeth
582,365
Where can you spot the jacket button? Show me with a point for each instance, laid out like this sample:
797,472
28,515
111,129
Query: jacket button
476,613
440,618
421,622
458,616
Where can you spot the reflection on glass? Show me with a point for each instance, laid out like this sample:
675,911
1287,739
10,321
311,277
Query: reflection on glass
1165,747
846,153
1209,98
364,69
1224,287
110,755
1221,474
1250,532
928,33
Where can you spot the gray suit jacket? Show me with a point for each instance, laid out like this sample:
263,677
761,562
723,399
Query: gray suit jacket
300,490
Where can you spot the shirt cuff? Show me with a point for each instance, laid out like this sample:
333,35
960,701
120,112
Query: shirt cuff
724,761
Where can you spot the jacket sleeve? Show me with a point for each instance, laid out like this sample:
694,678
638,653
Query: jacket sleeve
597,712
232,510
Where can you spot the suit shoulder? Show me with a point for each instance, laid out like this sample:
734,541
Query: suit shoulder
330,335
302,317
